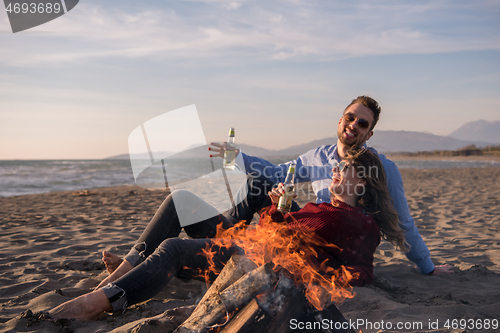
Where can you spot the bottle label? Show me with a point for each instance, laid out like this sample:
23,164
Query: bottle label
285,203
229,157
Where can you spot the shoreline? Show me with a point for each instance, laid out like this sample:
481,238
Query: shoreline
133,186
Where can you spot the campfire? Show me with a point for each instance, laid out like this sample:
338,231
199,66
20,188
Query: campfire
278,280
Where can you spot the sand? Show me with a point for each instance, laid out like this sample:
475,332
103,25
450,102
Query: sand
422,157
51,245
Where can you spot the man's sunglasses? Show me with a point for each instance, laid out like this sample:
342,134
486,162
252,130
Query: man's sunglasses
349,117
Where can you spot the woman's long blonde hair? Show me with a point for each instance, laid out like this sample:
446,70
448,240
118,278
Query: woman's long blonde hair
375,199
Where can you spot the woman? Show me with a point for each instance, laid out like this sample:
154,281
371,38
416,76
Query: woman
348,237
359,212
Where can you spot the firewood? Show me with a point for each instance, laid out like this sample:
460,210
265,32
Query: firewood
284,303
218,304
275,311
246,317
235,268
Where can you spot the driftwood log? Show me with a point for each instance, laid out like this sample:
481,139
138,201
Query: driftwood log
226,295
245,318
277,305
276,311
235,268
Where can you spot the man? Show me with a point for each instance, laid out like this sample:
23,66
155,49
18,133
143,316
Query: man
354,129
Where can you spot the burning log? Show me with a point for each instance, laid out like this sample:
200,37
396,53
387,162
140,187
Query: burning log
244,319
252,318
225,296
276,311
235,268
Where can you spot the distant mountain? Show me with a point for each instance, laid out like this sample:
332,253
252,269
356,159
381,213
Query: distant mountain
300,149
392,141
117,157
408,141
248,149
383,141
256,151
479,130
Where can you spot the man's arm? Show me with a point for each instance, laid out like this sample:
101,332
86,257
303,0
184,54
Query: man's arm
419,253
257,166
314,166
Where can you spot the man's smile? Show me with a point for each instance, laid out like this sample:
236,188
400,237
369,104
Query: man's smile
350,133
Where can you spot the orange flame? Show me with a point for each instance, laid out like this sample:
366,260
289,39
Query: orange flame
296,251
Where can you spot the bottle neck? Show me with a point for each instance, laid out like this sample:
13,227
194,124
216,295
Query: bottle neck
290,177
230,139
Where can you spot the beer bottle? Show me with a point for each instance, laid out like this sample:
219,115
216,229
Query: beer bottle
285,203
230,154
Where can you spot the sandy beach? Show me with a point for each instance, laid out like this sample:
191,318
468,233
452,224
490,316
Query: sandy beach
52,243
484,158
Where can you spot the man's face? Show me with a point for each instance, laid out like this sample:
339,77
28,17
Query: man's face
350,132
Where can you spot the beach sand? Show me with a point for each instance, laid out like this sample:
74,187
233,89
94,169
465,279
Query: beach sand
51,252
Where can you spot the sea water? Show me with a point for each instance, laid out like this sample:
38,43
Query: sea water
19,177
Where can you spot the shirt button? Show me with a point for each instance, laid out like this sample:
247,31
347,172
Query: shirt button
369,221
361,237
354,252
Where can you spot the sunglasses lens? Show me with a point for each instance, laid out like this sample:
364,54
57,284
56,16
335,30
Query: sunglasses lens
363,123
342,166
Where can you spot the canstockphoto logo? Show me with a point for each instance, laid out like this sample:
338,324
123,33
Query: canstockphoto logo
170,151
26,14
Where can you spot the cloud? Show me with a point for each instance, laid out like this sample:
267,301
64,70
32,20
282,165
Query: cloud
261,30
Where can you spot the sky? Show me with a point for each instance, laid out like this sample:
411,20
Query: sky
279,72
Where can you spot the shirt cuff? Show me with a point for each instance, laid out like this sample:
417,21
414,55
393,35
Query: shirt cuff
425,265
240,162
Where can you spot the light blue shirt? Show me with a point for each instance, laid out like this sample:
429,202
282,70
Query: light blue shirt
315,167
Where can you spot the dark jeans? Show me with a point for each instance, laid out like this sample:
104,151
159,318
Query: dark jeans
159,254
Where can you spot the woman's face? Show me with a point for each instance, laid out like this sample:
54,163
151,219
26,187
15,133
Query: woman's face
345,180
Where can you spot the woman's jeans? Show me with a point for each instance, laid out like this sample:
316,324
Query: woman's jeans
159,254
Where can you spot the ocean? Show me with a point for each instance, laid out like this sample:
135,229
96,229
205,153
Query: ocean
21,177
